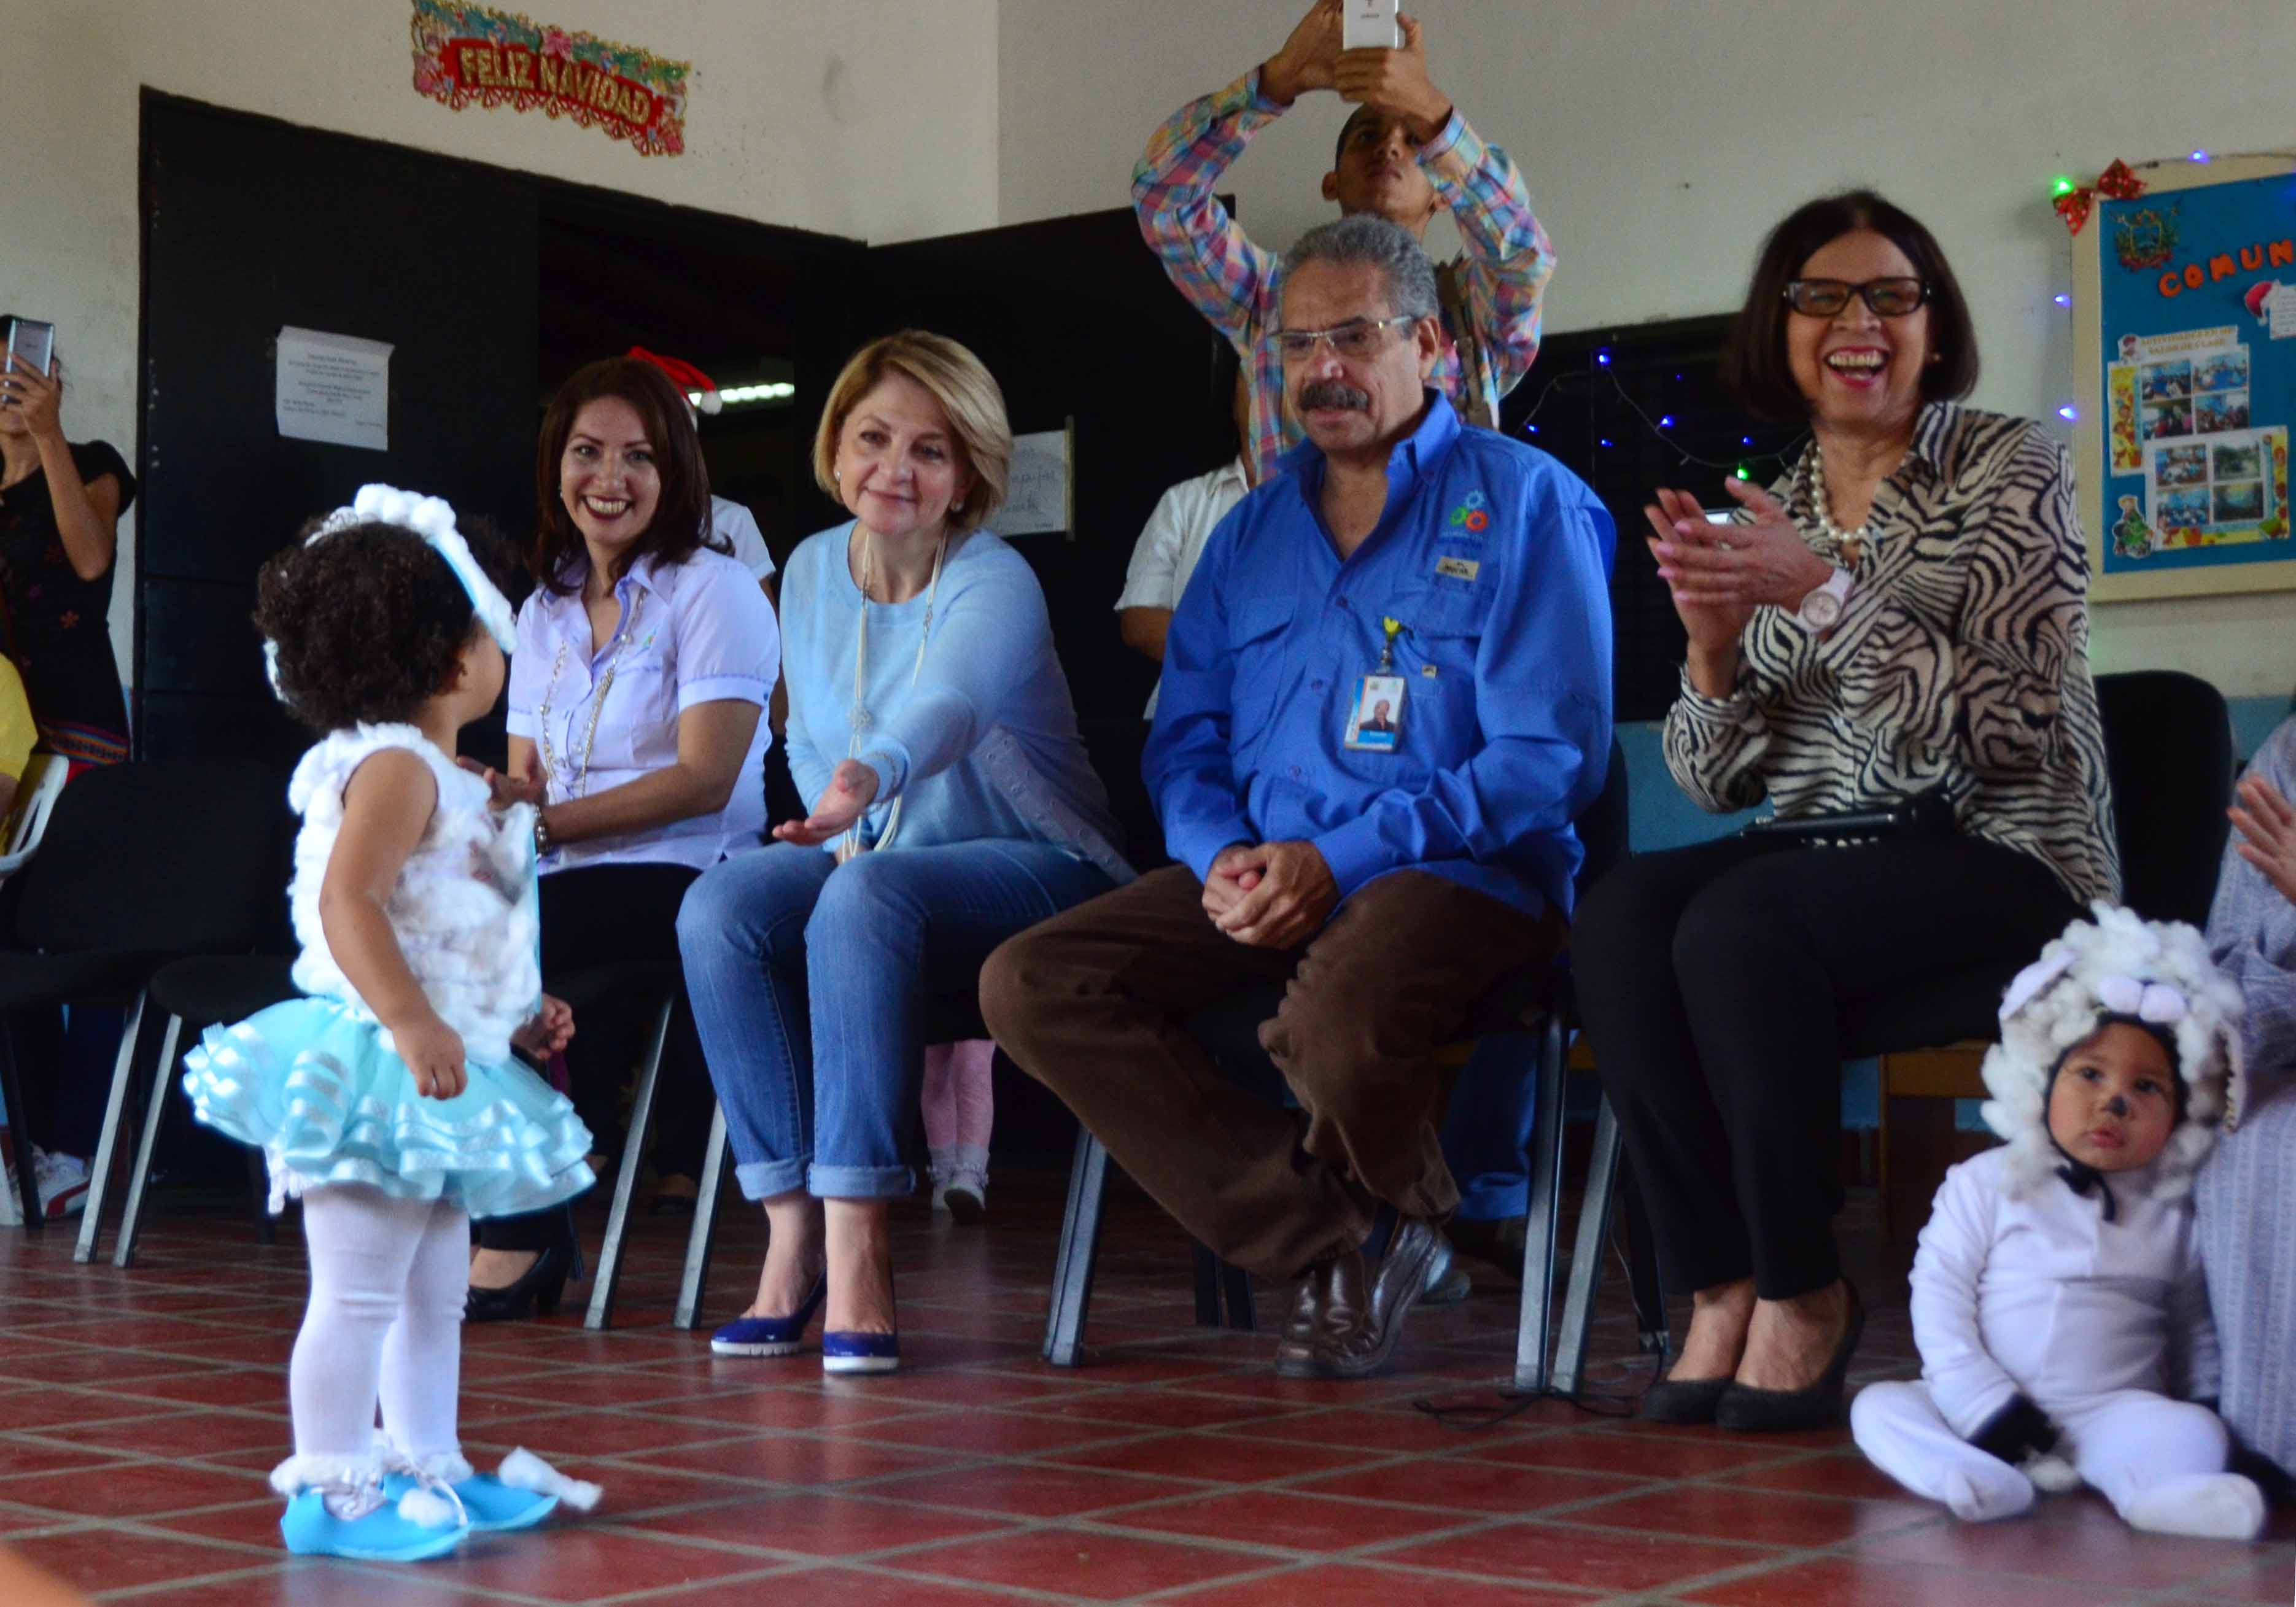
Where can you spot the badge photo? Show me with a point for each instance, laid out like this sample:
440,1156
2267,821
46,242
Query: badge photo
1375,717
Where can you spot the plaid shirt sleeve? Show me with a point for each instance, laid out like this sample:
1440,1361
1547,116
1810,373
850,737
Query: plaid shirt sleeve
1225,277
1509,258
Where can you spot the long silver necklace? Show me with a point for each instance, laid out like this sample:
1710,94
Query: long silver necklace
578,783
858,718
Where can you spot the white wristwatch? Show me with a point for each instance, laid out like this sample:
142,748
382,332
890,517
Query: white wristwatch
1821,605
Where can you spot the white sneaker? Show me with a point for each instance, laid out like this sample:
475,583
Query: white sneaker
965,1197
61,1180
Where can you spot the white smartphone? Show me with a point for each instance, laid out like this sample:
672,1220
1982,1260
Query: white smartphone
34,342
1371,25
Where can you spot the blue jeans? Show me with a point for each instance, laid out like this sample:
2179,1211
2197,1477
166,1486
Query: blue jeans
1487,1130
809,982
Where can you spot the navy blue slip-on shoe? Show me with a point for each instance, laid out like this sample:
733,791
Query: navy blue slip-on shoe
771,1335
860,1352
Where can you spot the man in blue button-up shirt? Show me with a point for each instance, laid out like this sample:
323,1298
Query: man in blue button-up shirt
1392,868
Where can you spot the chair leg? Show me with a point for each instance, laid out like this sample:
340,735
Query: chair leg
699,1244
107,1148
1543,1222
1642,1266
1206,1267
1079,1245
26,1197
1593,1243
1239,1315
123,1253
626,1179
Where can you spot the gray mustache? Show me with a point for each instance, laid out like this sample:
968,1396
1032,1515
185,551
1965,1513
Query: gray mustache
1332,393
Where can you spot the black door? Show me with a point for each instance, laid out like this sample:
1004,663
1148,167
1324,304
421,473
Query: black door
250,225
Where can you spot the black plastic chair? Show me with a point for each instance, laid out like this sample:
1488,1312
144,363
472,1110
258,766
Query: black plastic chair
1537,1000
654,978
949,1020
197,992
141,864
2169,763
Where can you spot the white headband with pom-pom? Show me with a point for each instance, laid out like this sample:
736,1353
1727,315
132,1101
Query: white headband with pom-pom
2117,963
433,519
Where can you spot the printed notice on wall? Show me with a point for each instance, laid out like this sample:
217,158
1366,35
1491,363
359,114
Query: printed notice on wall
334,387
1037,486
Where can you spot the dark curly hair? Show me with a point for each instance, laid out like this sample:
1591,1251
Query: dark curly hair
681,518
369,622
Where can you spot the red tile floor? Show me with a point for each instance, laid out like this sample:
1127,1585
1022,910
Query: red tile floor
143,1408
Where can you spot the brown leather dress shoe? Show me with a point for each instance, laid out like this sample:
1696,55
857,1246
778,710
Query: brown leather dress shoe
1363,1307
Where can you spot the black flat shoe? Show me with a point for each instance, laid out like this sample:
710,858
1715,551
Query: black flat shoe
1688,1400
537,1293
1755,1411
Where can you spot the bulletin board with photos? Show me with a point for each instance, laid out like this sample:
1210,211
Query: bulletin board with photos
2186,347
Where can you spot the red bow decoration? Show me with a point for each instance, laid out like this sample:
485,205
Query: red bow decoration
2116,183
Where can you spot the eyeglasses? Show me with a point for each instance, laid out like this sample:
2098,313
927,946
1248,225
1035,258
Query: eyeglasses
1889,298
1357,338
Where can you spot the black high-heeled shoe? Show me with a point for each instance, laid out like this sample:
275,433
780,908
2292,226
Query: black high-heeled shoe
1685,1400
1818,1405
537,1293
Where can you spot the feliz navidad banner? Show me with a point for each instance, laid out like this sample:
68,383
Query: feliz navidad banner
467,55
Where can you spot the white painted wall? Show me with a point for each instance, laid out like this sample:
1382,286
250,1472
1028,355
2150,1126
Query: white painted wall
1661,138
871,119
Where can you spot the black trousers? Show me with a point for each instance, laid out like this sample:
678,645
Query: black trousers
1722,986
592,916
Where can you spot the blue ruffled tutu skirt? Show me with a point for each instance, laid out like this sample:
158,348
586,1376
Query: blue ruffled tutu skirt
312,1085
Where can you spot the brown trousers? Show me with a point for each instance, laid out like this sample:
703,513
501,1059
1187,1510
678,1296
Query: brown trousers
1093,1004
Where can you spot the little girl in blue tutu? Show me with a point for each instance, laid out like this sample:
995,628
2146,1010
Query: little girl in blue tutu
388,1099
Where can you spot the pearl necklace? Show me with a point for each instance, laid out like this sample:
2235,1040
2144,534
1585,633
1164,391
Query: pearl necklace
1849,543
580,782
858,718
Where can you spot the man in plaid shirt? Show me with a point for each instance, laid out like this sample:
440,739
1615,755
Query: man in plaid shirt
1405,152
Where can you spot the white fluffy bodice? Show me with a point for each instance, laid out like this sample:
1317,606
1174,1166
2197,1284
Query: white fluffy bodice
463,910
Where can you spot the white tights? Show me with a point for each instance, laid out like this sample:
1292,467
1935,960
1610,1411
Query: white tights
2159,1461
384,1326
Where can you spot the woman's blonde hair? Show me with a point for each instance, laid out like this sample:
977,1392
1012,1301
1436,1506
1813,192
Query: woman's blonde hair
968,396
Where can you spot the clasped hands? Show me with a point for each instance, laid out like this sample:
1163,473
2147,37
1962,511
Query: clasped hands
1718,574
1270,895
1394,81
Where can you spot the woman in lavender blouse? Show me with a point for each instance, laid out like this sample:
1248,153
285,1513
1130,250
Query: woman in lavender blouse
645,657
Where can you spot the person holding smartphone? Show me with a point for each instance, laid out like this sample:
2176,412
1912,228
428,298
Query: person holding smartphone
60,508
1404,153
59,511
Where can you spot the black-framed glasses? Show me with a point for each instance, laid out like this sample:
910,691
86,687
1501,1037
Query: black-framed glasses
1889,298
1357,337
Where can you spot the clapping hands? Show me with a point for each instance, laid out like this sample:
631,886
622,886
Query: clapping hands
2266,825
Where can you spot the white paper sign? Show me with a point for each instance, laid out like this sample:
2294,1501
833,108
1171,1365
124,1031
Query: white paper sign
334,387
2280,311
1036,495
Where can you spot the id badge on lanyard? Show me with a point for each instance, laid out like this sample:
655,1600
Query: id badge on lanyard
1375,713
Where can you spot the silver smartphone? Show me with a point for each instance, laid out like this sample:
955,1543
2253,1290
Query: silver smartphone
32,343
1371,25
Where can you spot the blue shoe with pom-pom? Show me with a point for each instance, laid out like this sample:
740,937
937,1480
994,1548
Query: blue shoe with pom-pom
388,1533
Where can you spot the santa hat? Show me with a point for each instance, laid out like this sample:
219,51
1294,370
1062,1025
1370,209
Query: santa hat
700,390
2117,967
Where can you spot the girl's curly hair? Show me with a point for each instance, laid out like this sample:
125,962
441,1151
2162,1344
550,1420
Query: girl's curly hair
368,622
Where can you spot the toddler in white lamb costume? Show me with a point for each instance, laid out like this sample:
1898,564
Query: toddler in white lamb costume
2058,1301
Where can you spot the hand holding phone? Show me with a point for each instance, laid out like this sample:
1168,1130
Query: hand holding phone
31,349
1371,25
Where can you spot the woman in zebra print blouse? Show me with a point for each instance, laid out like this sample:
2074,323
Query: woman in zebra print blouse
1904,613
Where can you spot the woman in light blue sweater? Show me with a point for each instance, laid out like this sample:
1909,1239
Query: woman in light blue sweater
953,806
